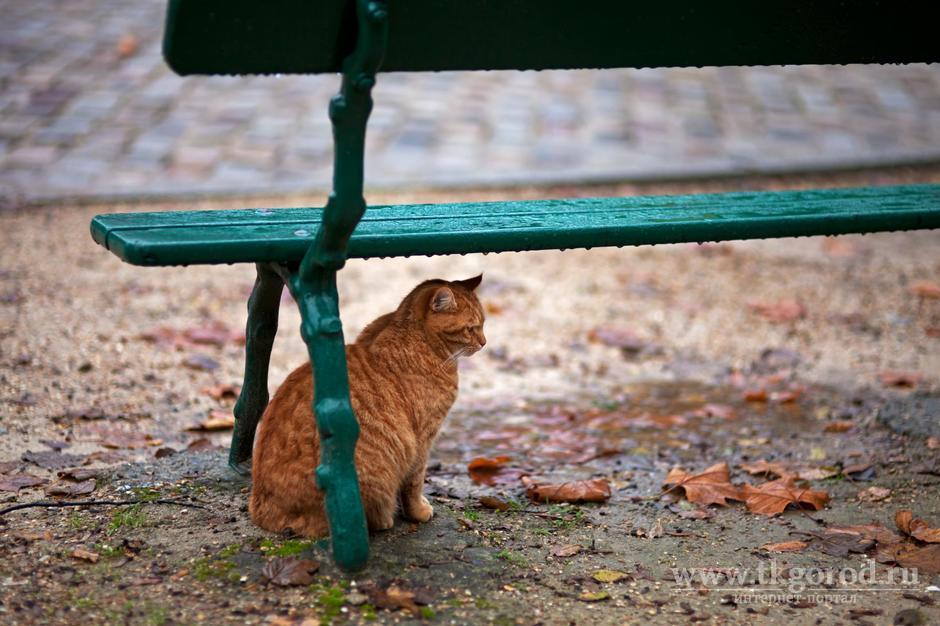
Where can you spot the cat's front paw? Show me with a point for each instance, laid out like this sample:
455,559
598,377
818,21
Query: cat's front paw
421,511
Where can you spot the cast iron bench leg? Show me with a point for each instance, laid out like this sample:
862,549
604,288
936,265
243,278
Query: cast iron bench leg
263,306
322,331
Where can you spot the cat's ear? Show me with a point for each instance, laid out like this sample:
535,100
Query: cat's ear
471,283
443,301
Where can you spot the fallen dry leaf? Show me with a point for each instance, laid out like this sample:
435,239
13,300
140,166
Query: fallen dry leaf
895,378
594,490
593,596
764,468
78,474
771,498
697,513
15,482
902,519
784,546
837,543
916,528
395,597
566,550
117,438
71,489
873,494
874,531
217,420
925,289
85,555
483,469
713,486
609,576
781,311
755,395
926,559
839,426
199,445
492,502
52,459
290,571
222,391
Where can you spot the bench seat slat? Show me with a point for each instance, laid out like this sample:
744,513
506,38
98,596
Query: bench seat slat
283,235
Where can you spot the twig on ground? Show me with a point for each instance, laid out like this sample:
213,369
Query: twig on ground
64,503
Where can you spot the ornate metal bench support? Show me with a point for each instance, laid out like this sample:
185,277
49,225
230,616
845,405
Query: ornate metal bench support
263,306
314,288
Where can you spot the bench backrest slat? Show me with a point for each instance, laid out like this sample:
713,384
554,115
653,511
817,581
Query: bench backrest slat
313,36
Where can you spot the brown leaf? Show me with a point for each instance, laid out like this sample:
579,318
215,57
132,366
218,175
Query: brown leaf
762,467
492,502
71,489
15,482
290,570
902,519
217,420
198,445
781,311
222,391
85,555
78,474
925,289
926,559
755,395
835,543
713,486
118,438
697,514
784,546
594,490
916,528
839,426
874,531
52,460
895,378
771,498
566,550
483,470
393,598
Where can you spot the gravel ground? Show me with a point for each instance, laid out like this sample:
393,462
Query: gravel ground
111,361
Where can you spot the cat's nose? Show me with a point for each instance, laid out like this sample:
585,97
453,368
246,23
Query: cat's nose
482,340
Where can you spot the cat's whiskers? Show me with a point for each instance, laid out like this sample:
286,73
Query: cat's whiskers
459,353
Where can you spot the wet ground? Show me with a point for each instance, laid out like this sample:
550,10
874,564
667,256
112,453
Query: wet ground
818,355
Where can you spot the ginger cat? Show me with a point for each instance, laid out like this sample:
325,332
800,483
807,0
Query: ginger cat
402,383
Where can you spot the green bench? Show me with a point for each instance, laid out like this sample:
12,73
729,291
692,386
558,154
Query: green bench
304,248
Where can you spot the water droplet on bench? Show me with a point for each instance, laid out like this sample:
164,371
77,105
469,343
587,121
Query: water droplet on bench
302,232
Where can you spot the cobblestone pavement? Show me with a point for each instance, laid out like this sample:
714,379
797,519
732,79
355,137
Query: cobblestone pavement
87,108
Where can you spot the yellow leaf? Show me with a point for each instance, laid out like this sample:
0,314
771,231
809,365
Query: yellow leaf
608,575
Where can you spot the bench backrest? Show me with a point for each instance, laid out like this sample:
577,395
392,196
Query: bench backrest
314,36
